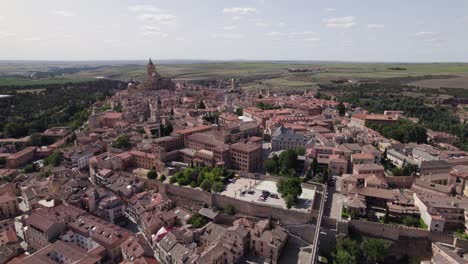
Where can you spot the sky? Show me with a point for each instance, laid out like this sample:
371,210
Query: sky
332,30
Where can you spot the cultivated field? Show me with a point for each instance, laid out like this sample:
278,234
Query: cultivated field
251,74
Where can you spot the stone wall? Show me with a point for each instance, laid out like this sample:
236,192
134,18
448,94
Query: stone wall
195,199
393,232
460,243
305,232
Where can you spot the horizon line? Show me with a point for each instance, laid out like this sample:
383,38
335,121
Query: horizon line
230,60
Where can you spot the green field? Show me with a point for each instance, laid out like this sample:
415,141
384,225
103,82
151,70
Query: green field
251,75
20,81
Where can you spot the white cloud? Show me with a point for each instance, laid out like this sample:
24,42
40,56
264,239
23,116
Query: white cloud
153,31
330,9
164,19
275,34
261,24
229,27
6,34
375,26
303,34
240,11
281,24
32,39
429,37
235,18
64,13
2,17
230,36
312,39
144,8
340,22
425,34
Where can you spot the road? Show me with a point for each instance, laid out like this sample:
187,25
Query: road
335,200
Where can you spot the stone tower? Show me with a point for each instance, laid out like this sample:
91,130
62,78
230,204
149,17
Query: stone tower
150,68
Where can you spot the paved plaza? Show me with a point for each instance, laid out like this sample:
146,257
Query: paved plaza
252,190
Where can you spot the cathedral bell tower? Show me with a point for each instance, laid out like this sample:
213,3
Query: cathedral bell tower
150,68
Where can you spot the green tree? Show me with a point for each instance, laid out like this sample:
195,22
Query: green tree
29,169
197,220
341,109
162,177
152,175
239,111
122,142
217,187
173,179
290,189
271,166
201,105
287,160
206,185
230,210
343,257
53,159
290,200
315,165
2,161
375,250
301,151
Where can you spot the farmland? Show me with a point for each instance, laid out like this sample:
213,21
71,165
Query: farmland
251,75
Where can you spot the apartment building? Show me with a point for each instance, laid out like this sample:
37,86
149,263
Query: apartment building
246,157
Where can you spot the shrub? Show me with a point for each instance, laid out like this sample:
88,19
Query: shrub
152,175
197,220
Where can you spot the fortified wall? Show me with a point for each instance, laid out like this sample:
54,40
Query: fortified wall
196,199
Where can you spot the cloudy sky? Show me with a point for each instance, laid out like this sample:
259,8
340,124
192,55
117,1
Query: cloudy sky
349,30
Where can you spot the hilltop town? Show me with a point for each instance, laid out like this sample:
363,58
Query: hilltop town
170,171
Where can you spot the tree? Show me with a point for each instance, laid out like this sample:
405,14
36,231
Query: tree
29,169
201,105
152,175
162,177
217,187
291,187
290,200
288,160
343,257
375,250
314,165
239,111
271,166
230,210
173,179
53,159
383,160
206,185
301,151
2,161
341,109
197,220
122,142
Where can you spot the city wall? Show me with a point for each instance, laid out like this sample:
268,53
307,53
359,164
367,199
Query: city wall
393,232
195,199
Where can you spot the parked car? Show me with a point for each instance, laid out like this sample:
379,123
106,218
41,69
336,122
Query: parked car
274,195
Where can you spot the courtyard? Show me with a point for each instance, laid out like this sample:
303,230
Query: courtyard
250,190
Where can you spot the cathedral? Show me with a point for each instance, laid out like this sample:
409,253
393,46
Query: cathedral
154,81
